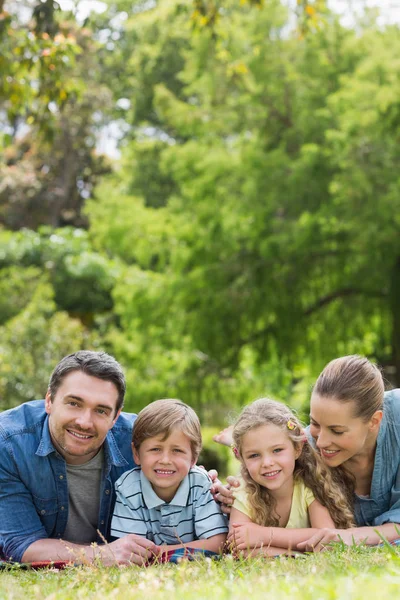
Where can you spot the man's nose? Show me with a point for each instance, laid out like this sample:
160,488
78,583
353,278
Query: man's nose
84,420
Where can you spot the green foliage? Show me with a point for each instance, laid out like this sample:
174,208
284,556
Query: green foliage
251,230
35,62
32,342
51,110
17,285
82,279
257,268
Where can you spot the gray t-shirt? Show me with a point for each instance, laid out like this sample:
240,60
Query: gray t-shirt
84,500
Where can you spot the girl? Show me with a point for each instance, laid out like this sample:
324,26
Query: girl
285,483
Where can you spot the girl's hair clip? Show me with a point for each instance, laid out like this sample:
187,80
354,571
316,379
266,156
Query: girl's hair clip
235,451
291,425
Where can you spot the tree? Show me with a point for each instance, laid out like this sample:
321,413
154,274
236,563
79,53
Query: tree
52,112
32,342
257,259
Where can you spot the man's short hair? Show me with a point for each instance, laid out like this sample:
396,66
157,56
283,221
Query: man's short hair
96,364
164,416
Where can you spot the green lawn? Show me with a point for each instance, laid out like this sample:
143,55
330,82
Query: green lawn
356,574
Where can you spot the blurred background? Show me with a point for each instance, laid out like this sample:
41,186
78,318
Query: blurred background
207,189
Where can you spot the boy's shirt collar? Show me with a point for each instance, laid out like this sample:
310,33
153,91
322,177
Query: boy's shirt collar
152,500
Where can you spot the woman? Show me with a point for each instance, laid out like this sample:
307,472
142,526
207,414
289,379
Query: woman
356,427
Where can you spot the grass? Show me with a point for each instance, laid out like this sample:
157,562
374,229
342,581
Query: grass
343,573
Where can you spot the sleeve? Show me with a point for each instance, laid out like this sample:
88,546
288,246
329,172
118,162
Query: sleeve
20,524
393,514
240,501
308,496
208,517
392,406
129,516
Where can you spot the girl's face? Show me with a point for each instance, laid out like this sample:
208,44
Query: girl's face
269,456
340,435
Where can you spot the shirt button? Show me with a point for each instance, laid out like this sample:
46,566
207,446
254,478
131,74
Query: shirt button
101,522
63,508
42,512
107,492
61,476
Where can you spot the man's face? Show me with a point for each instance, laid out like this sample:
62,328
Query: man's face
80,415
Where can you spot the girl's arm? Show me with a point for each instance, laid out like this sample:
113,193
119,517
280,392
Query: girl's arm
319,516
245,535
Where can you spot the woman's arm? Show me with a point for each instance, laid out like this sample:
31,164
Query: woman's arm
354,535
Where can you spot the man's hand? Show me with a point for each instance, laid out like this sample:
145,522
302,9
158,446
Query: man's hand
321,540
245,536
130,549
223,493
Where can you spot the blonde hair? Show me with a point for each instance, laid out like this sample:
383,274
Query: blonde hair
161,417
353,379
308,466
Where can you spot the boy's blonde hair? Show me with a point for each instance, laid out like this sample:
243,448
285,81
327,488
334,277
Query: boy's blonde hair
309,466
161,417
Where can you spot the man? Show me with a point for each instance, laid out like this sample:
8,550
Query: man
59,460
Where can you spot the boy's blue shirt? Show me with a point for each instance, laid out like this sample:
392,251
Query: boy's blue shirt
33,478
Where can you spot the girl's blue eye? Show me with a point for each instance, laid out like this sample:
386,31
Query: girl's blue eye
276,450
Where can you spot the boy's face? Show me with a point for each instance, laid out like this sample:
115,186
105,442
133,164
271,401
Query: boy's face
165,463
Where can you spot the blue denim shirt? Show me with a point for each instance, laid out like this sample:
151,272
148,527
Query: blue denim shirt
383,503
33,478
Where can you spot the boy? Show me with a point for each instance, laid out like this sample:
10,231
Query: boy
167,499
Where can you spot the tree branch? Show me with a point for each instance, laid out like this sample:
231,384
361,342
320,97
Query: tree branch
321,302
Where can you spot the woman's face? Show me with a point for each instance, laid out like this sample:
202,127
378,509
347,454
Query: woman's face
340,435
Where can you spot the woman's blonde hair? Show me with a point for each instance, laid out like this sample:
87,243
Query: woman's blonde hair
161,417
308,466
351,378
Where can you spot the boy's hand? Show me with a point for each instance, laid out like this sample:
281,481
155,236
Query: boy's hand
222,493
130,549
